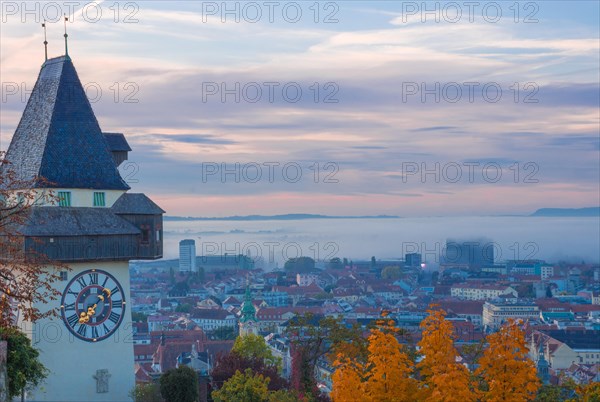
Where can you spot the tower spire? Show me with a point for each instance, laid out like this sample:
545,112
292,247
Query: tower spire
66,36
45,42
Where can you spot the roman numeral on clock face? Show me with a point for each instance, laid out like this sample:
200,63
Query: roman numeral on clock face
81,281
72,320
114,317
93,278
82,330
93,304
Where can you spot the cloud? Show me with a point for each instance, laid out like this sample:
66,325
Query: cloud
192,139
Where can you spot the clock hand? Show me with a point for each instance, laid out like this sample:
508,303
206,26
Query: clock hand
85,317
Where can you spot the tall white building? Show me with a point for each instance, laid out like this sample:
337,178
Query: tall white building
187,256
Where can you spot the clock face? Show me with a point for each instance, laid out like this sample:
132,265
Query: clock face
93,305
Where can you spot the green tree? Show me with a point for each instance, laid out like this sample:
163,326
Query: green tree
300,264
252,346
335,263
172,275
223,333
138,317
179,385
184,308
200,274
24,369
392,272
554,393
247,387
146,393
314,338
587,392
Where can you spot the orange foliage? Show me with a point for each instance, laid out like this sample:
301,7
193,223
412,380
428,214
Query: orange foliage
506,372
443,378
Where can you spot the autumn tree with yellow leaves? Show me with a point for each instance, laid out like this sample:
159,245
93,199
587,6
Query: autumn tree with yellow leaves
507,374
385,374
443,378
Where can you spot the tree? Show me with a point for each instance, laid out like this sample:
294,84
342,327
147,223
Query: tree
24,369
348,385
554,393
247,387
335,263
253,346
507,374
138,317
146,393
587,392
223,333
443,378
226,365
172,276
184,308
179,385
389,369
300,264
313,338
26,276
392,272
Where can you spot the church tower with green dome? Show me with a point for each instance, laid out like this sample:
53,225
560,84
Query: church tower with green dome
248,320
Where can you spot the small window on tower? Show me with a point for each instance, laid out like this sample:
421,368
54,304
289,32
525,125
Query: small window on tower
63,275
99,199
64,198
145,235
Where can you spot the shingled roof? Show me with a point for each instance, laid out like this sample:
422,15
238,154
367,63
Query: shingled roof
61,221
136,204
117,142
58,137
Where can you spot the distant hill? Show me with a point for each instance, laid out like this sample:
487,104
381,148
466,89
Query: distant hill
591,211
287,217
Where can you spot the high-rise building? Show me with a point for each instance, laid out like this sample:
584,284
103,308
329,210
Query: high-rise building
94,228
412,260
187,256
474,254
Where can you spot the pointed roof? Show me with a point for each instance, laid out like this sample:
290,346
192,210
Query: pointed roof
248,309
58,137
136,204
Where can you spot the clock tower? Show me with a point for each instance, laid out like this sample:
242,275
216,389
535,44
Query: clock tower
95,228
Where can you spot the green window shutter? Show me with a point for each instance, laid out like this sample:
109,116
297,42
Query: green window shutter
64,198
99,199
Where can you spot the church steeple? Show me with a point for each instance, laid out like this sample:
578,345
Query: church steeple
248,318
543,366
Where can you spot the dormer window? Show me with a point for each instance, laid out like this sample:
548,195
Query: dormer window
64,198
99,199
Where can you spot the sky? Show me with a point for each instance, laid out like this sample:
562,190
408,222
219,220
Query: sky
332,107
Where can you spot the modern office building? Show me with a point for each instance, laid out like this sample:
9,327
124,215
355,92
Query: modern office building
187,256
